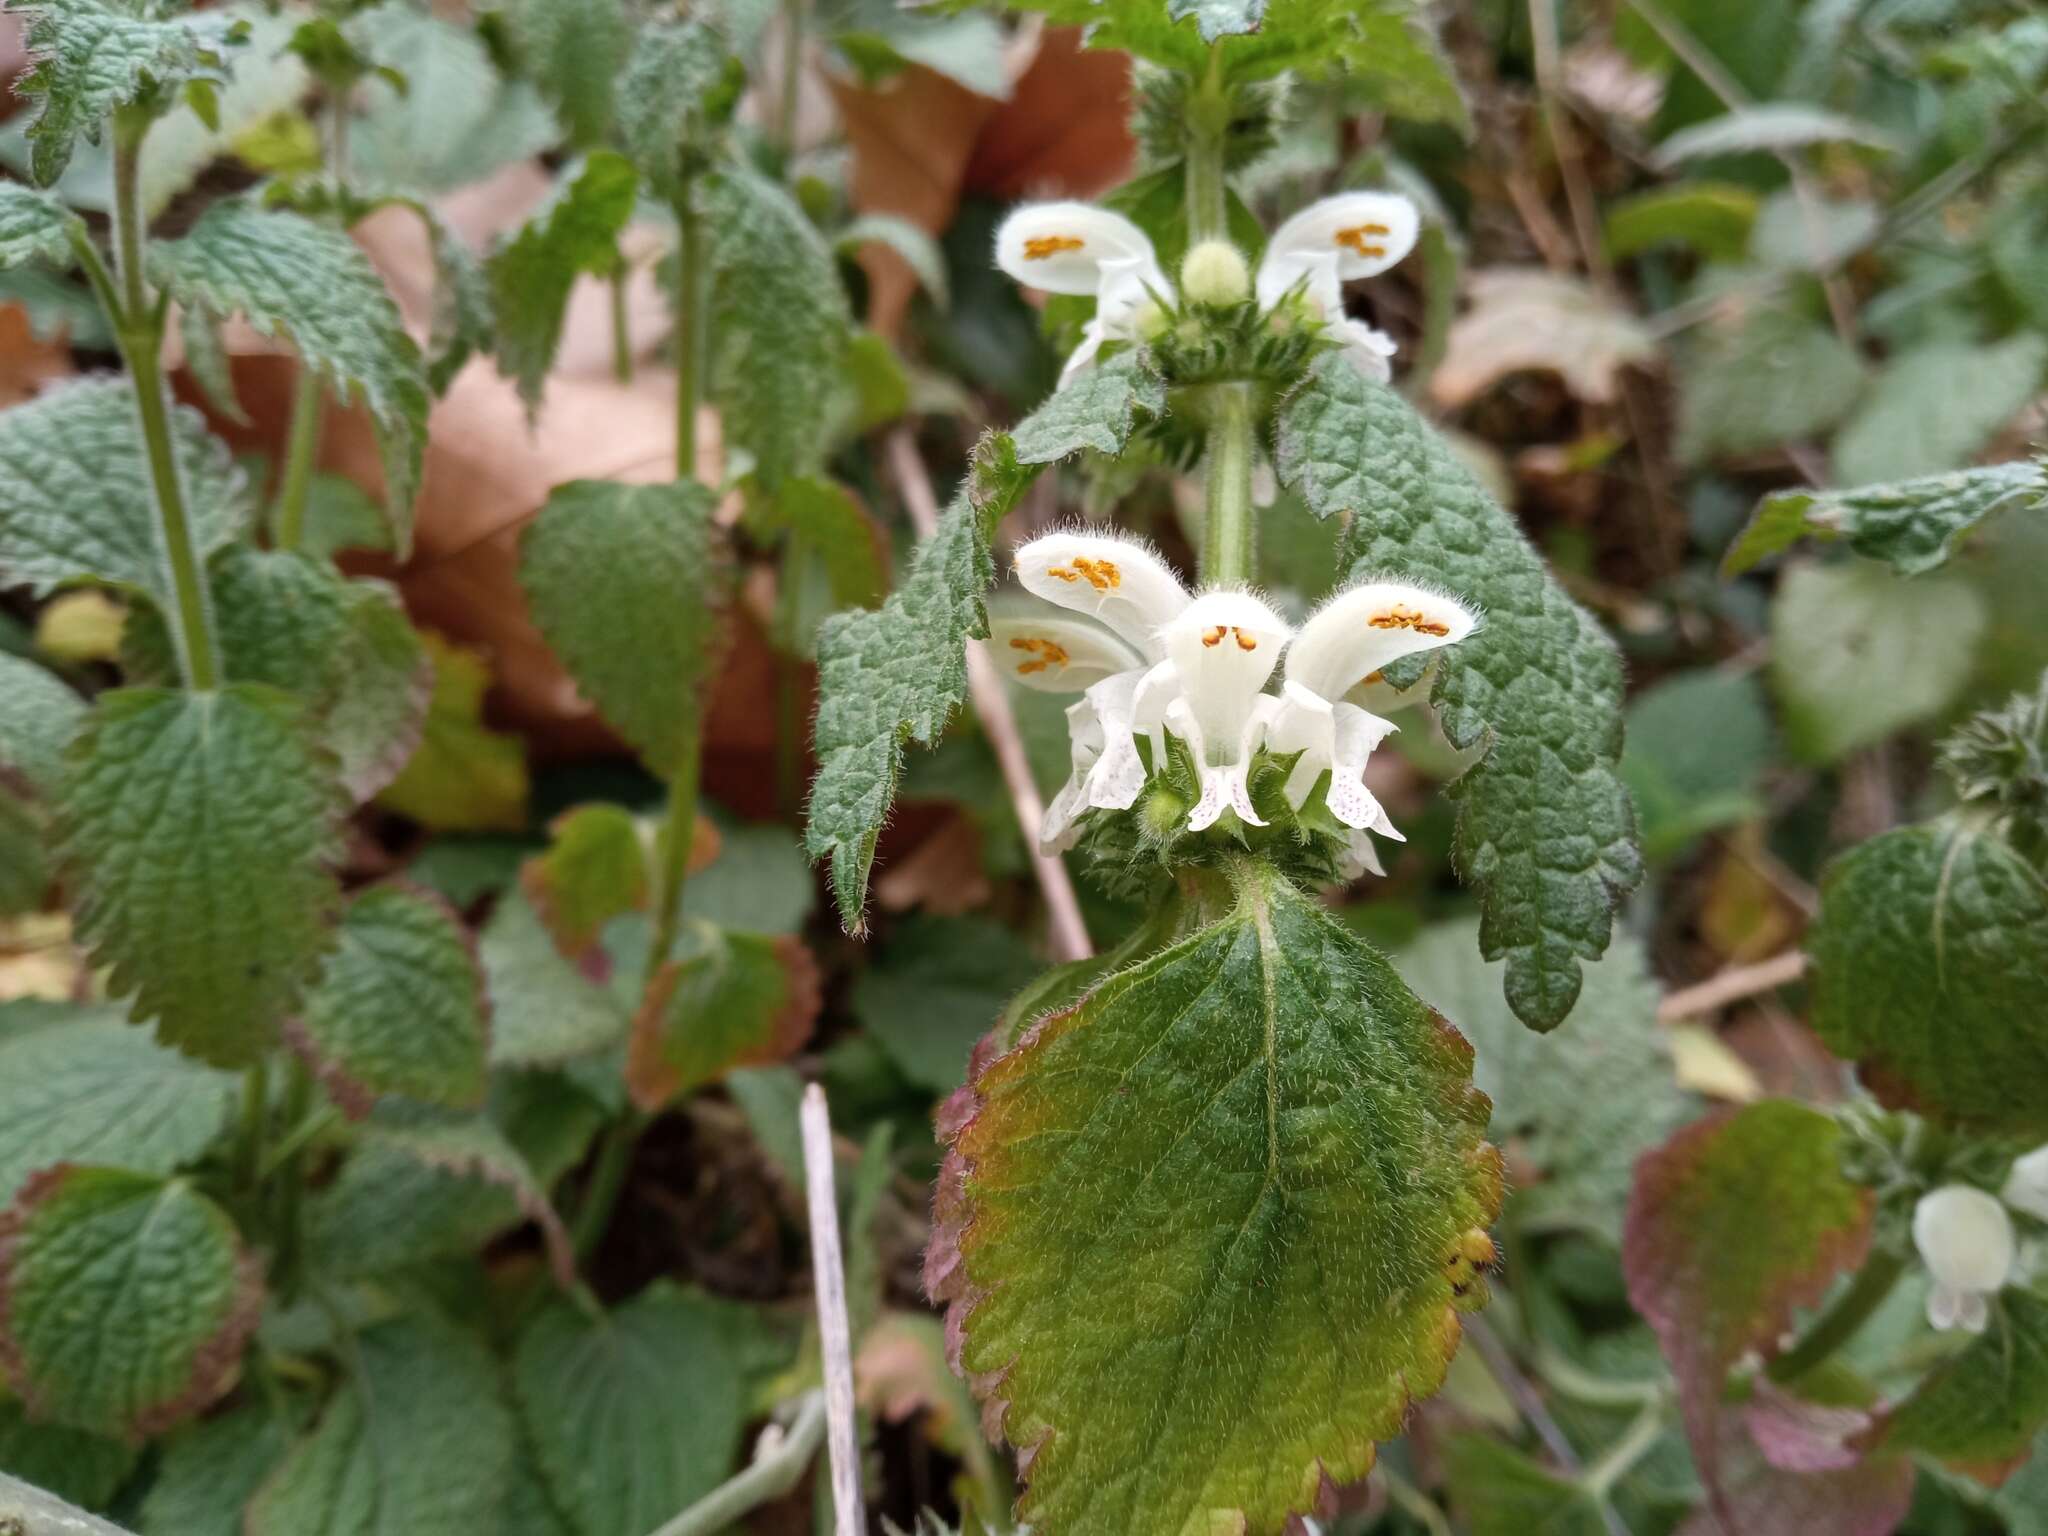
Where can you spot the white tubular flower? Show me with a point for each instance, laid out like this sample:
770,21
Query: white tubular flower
1330,243
1966,1240
2026,1187
1077,248
1126,595
1210,692
1346,642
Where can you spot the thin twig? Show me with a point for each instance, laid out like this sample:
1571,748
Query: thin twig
1732,986
991,703
828,1276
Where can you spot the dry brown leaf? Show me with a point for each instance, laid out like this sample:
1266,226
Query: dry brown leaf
1065,131
1523,318
942,874
27,365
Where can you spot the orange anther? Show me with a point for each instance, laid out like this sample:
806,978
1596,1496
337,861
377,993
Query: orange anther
1355,239
1062,572
1042,653
1398,617
1215,636
1046,246
1246,642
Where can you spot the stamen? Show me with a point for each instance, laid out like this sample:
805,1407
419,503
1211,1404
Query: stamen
1047,246
1399,617
1063,573
1355,239
1374,676
1215,636
1246,642
1102,575
1043,654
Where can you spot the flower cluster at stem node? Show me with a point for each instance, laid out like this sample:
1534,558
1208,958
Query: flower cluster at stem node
1966,1239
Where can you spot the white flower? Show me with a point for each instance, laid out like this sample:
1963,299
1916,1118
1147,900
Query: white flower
1345,643
1330,243
1077,248
1966,1241
1126,595
2026,1187
1210,692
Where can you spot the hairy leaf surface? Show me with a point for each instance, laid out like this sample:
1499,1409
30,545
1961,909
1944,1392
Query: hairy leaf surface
725,1000
1930,964
594,870
622,580
290,276
1984,1406
208,1472
93,1090
34,228
1911,525
636,1413
39,714
197,829
680,82
70,1463
75,497
418,1439
545,1010
399,1007
1545,828
1734,1222
1259,1157
125,1299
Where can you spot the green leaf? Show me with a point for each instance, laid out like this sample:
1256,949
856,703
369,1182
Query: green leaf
1800,232
125,1299
463,776
1711,217
1736,1221
208,1472
1930,959
623,582
1986,1404
1098,408
1770,377
920,252
822,517
635,1414
344,648
76,502
781,325
1545,828
35,228
39,715
1697,745
290,276
899,671
1911,525
455,121
399,1007
725,1000
1934,407
574,50
93,1090
417,1439
2023,1501
79,1467
1501,1492
679,87
1858,653
87,57
595,869
1260,1156
197,829
1580,1104
1768,127
759,882
575,232
936,988
544,1010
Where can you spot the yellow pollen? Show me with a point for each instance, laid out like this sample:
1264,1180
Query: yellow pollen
1040,652
1355,238
1374,676
1102,575
1215,636
1047,246
1398,617
1245,642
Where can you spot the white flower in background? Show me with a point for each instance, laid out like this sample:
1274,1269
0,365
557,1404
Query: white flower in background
1210,692
1330,243
2026,1187
1077,248
1126,596
1966,1240
1344,644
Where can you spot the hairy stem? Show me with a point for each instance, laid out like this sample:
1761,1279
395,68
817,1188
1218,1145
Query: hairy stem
141,333
678,831
291,1185
309,404
1839,1323
607,1181
792,76
255,1122
1227,537
1208,122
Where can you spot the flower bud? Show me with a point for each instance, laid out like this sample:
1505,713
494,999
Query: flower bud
2026,1187
1215,273
1966,1240
1151,320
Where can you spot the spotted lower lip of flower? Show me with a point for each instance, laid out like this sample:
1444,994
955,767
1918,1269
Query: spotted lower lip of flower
1348,640
1966,1240
1077,248
1330,243
1210,692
